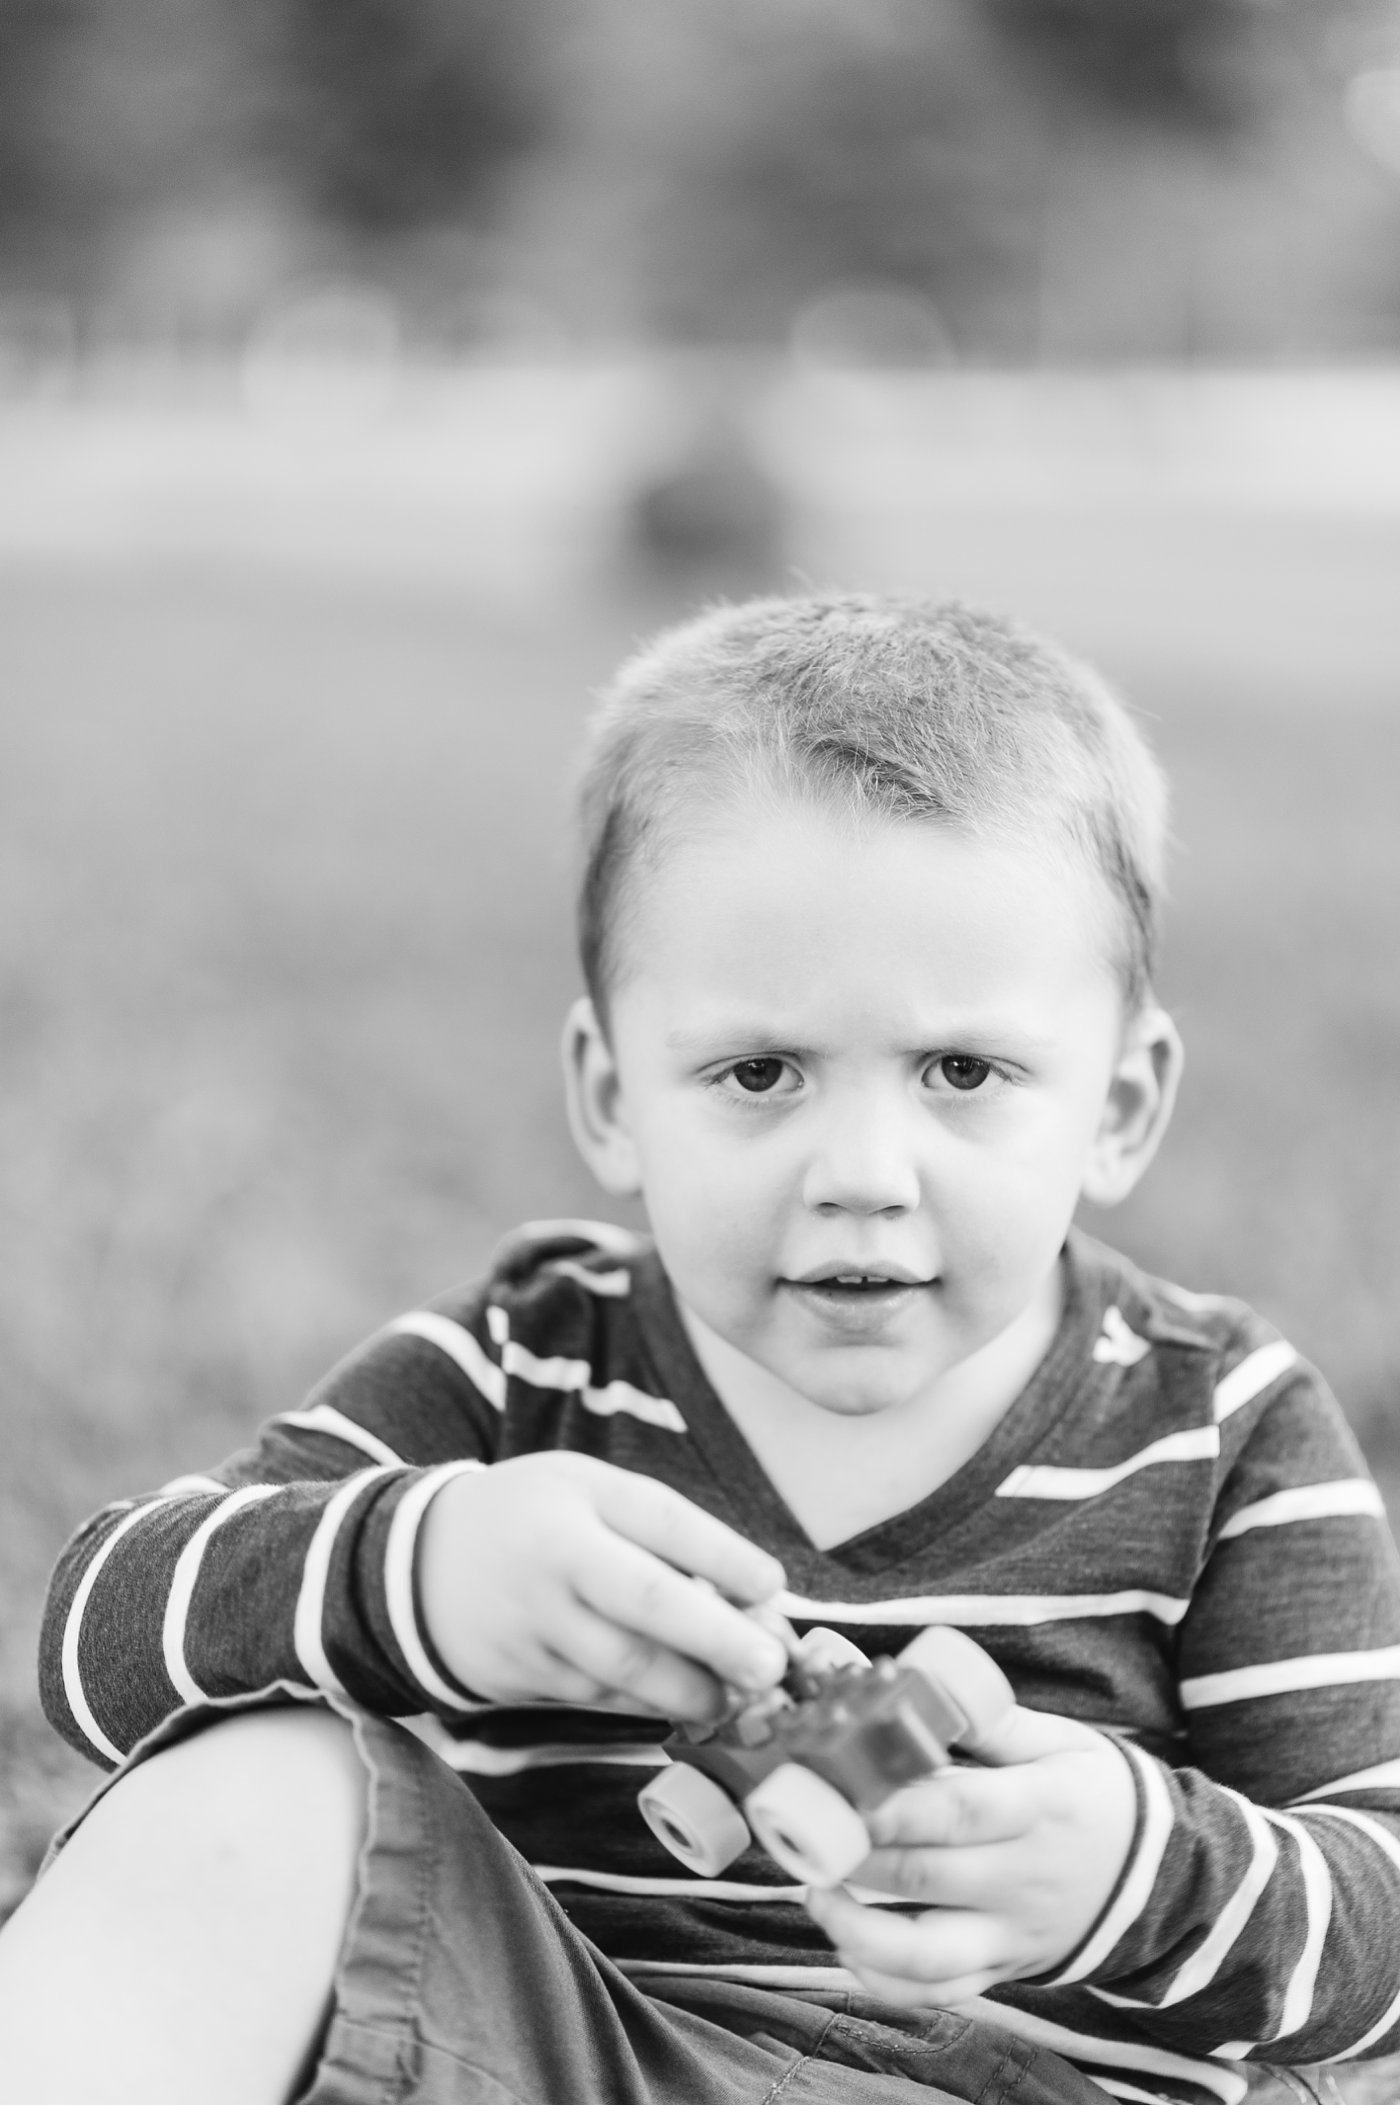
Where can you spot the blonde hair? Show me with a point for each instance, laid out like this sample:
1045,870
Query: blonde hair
893,708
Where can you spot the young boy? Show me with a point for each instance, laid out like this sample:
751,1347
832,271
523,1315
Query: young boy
867,924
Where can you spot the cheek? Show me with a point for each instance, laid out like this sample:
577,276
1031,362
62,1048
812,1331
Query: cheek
1011,1206
1050,1153
711,1206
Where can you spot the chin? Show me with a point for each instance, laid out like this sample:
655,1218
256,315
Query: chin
853,1403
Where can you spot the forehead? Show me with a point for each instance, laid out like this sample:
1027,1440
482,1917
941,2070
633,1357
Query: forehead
782,909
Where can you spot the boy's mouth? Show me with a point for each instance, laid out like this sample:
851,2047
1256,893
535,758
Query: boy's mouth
856,1304
844,1285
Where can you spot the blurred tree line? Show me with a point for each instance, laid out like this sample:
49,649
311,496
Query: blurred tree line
1003,177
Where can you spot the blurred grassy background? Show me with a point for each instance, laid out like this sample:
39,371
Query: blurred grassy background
284,946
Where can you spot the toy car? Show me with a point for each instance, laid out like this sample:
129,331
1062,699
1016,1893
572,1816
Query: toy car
800,1766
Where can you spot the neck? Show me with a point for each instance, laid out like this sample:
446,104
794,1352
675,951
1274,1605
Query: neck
843,1472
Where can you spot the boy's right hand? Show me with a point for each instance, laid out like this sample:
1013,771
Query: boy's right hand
558,1576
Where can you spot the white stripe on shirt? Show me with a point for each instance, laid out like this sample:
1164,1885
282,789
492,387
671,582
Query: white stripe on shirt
1348,1494
621,1396
1199,1443
813,1977
1205,1962
686,1888
460,1346
1387,1842
604,1235
1203,1304
612,1285
1366,1824
307,1633
1386,2022
574,1377
1227,2084
984,1610
480,1758
699,1888
1200,1969
1280,1677
325,1418
1116,1345
1136,1889
1253,1375
570,1375
399,1554
72,1631
180,1486
1382,1776
1317,1891
184,1578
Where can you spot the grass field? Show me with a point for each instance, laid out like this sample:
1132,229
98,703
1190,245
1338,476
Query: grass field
283,949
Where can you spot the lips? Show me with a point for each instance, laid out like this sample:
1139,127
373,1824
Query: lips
859,1278
857,1304
848,1287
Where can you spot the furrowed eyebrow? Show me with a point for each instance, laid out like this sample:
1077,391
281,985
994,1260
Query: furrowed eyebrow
726,1039
991,1035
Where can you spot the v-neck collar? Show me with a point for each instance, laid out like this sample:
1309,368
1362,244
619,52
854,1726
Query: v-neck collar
758,1510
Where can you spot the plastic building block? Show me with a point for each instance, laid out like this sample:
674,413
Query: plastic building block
801,1766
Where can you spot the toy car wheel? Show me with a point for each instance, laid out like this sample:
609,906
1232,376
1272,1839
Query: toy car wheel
960,1669
688,1812
807,1826
824,1651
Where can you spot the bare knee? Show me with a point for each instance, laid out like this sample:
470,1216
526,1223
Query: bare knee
204,1896
269,1800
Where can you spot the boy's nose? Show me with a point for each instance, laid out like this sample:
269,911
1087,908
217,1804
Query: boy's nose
862,1163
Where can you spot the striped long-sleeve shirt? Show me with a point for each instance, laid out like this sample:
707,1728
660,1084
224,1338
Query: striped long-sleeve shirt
1170,1534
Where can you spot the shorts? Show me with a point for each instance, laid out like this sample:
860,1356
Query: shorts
461,1981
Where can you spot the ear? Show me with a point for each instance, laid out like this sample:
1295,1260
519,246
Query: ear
1137,1109
593,1095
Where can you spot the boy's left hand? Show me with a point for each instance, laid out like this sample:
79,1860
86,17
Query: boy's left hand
1017,1863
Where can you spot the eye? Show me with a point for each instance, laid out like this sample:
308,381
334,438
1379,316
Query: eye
962,1071
757,1077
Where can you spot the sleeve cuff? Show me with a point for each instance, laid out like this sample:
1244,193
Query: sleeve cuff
1151,1833
441,1689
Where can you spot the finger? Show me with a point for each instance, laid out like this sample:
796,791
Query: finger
535,1674
551,1678
957,1808
1027,1735
686,1536
624,1662
943,1945
987,1878
625,1706
564,1682
636,1591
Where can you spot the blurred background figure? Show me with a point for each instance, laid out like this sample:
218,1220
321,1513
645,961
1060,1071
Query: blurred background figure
373,371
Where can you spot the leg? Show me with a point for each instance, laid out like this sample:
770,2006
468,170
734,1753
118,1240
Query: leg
183,1944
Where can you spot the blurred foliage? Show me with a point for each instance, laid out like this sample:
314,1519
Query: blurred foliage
355,115
1175,61
396,113
833,143
31,172
1013,163
704,170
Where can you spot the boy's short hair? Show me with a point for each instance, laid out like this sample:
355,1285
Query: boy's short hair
893,708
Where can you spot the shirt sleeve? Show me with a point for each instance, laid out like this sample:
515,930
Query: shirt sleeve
1259,1913
295,1560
